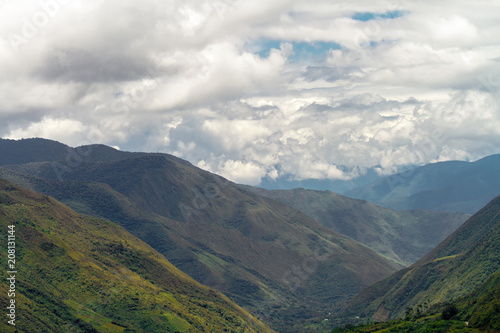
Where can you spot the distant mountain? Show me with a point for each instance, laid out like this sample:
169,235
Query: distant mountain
445,186
336,185
75,273
455,268
270,258
402,236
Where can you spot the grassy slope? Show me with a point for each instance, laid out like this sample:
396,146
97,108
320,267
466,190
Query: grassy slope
402,236
461,263
82,274
261,253
478,311
481,308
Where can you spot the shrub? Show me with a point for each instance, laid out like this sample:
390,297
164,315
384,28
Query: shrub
449,311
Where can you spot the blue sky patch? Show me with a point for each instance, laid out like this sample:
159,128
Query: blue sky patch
302,51
264,47
367,16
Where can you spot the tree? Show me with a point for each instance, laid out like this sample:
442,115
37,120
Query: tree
408,313
449,311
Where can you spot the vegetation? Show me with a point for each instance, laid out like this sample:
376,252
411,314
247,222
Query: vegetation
30,150
82,274
289,270
482,307
455,268
402,236
422,325
15,152
278,263
449,312
478,311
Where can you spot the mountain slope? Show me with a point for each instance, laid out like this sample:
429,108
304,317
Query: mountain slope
481,308
478,311
268,257
81,274
31,150
41,150
445,186
402,236
457,266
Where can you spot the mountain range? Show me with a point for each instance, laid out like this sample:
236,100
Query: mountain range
273,260
288,182
298,260
445,186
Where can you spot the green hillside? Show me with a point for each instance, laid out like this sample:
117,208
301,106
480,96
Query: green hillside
82,274
455,268
481,308
273,260
402,236
478,311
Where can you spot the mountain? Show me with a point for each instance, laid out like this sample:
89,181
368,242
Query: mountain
270,258
478,311
287,182
445,186
457,266
481,308
41,150
402,236
75,273
30,150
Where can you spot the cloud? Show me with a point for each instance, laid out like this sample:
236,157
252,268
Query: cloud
257,89
243,172
69,131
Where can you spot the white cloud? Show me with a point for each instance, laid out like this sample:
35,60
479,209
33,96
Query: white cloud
238,171
254,89
69,131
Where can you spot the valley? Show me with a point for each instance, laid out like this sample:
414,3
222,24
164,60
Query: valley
297,260
230,166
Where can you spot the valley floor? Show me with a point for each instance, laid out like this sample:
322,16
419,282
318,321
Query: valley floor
421,325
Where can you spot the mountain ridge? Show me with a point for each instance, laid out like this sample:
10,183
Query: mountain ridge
275,261
457,266
402,236
80,273
443,186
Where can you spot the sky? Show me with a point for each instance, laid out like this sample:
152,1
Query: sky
257,89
